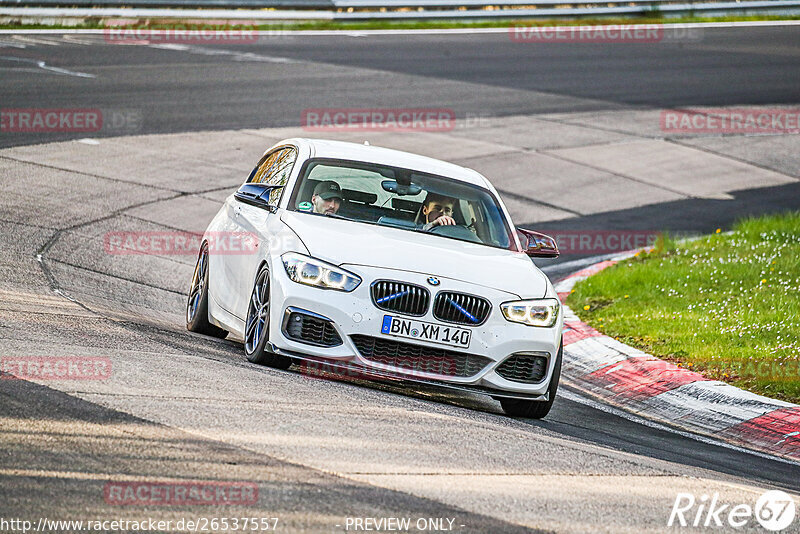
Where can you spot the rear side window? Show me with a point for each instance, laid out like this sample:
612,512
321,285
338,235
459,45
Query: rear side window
274,169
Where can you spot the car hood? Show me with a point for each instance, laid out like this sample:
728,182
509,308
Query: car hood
349,243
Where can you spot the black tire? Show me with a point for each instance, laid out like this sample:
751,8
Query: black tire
256,327
535,409
197,305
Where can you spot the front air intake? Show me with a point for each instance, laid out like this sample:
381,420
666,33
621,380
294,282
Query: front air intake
310,329
528,368
418,358
461,308
400,297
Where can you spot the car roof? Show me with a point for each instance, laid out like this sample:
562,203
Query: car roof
325,148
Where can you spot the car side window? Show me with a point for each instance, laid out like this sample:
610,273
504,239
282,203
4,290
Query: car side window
275,169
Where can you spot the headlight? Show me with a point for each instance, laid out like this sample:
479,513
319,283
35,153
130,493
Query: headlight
533,312
313,272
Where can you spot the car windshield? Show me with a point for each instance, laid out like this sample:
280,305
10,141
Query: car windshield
401,198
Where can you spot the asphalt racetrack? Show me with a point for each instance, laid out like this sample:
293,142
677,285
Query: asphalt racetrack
569,133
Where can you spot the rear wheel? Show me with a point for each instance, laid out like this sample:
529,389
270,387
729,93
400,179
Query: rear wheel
535,409
256,329
197,305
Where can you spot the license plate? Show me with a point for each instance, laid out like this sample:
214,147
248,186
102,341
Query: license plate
434,333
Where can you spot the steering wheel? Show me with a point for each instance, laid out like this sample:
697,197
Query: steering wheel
458,231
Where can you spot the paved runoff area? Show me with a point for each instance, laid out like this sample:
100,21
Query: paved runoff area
176,407
165,425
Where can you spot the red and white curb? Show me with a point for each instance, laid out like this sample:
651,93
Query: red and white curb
628,378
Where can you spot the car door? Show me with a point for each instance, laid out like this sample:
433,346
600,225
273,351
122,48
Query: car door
251,223
221,262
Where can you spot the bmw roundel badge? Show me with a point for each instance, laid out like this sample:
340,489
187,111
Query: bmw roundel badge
432,280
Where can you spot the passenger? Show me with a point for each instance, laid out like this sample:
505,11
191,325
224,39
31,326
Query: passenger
327,197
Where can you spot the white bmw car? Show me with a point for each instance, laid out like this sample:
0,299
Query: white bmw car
395,264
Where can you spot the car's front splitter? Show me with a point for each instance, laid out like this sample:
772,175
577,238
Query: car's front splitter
350,371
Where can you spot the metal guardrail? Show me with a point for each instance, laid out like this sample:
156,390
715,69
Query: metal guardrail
549,12
359,10
186,4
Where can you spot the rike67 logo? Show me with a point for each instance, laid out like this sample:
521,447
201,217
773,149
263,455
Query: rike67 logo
774,511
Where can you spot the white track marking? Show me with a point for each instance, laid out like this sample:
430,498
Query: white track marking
35,41
6,44
72,39
236,56
45,66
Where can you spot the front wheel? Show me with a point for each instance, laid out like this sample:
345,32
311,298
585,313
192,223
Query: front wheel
535,409
256,330
197,305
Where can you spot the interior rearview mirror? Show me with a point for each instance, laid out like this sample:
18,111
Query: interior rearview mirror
393,186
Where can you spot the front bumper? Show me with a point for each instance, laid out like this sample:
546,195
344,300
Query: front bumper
354,313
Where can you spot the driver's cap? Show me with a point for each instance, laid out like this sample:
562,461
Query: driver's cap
328,189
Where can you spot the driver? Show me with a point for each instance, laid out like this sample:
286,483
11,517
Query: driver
327,197
437,210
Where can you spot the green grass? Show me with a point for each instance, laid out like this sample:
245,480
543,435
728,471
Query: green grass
726,305
645,18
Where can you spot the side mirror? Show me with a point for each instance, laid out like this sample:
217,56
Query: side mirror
537,245
257,195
